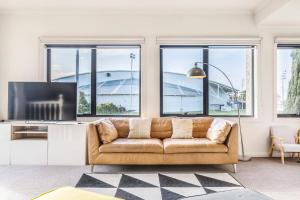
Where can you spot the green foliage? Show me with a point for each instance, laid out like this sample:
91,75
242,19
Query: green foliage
84,106
293,99
110,108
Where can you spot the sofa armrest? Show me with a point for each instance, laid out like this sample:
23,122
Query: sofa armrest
93,143
232,142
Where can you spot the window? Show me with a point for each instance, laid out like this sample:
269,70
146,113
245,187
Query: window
183,96
108,77
118,78
288,92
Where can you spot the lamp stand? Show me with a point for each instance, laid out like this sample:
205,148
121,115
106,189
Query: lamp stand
203,75
243,158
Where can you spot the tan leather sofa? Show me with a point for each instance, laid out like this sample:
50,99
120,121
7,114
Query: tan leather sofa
161,149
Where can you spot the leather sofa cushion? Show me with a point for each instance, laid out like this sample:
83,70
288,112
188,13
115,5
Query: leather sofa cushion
161,127
201,126
195,145
124,145
122,126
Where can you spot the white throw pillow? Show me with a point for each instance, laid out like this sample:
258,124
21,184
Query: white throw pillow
182,128
139,128
218,131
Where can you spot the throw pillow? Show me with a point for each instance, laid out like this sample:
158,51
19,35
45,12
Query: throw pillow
107,131
182,128
218,131
139,128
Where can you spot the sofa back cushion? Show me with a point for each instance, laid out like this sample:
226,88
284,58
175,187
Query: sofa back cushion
201,126
122,126
161,127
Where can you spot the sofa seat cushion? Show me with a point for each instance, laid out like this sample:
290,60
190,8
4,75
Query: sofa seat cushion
194,145
124,145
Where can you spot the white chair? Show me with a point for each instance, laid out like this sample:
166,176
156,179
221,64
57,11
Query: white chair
285,140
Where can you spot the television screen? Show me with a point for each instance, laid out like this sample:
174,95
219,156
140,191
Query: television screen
42,101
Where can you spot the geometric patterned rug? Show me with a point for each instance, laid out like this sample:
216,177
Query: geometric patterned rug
156,186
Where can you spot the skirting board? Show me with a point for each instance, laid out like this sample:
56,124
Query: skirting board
265,154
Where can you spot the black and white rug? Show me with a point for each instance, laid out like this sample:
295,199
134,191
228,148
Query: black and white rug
165,186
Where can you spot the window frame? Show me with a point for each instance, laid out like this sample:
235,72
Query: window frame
94,73
206,80
290,46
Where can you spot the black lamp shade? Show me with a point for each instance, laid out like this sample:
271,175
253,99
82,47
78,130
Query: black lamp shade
196,72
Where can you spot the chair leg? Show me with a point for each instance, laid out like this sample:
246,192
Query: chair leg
92,168
282,156
234,168
271,152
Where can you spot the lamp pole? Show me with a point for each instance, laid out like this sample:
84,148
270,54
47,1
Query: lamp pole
244,158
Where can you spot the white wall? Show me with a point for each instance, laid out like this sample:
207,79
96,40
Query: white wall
20,58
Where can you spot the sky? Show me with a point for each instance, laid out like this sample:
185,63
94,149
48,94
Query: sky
284,65
63,60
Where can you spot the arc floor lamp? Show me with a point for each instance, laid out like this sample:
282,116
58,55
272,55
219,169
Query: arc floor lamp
198,72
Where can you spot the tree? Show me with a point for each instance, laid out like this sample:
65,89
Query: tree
293,99
110,108
84,106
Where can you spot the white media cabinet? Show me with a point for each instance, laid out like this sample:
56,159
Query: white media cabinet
42,143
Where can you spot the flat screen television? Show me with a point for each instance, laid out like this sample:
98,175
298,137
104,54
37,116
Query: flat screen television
41,101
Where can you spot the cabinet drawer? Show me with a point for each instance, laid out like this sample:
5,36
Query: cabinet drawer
29,152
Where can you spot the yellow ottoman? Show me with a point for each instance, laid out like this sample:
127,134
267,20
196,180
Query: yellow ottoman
70,193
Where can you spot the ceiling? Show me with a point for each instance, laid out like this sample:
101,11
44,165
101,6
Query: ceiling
265,12
201,5
287,13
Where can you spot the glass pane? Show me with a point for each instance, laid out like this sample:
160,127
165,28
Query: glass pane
236,62
84,82
63,69
63,65
181,95
118,80
288,93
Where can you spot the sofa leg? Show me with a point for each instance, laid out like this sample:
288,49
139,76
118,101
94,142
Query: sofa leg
92,168
234,168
